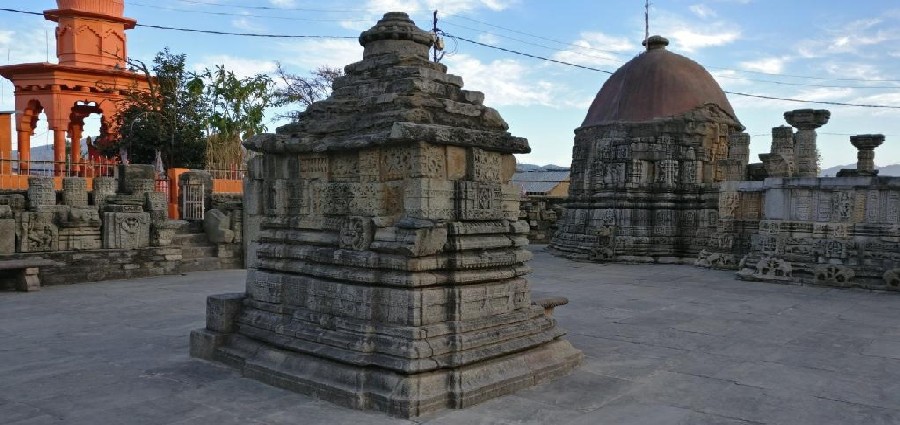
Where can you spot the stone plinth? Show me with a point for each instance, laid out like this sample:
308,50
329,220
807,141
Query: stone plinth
805,151
389,268
104,187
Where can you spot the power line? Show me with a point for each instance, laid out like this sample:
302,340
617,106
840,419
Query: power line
877,80
577,52
214,32
243,15
516,52
238,6
758,96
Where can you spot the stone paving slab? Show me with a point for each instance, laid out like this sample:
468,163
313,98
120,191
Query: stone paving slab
662,344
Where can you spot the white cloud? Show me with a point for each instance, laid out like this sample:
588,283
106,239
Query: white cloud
283,3
488,38
598,49
703,11
246,24
376,8
770,65
507,82
311,54
852,38
242,67
692,35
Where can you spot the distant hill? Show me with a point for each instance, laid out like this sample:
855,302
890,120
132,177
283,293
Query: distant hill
887,170
533,167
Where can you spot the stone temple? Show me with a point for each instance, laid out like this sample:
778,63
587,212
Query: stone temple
657,139
387,262
660,173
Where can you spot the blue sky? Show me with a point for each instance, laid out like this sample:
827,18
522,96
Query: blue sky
826,50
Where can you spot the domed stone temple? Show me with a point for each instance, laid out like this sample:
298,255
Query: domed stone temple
655,143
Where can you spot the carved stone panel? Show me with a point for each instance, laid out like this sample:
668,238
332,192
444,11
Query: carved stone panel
357,233
478,201
485,166
38,232
126,230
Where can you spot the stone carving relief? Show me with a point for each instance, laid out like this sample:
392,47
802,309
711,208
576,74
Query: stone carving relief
892,278
834,274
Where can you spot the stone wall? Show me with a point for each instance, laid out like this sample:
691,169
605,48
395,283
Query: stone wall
829,231
108,264
542,214
648,192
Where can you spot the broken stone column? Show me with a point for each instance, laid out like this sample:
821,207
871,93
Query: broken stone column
41,193
391,263
75,192
104,187
806,121
865,156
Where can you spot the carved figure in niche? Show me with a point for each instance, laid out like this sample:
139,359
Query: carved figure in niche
728,204
131,225
356,234
843,206
40,239
834,274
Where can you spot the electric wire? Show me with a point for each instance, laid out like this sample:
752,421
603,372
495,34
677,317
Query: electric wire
512,51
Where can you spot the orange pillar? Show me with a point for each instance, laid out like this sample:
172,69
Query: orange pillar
5,143
59,152
75,151
24,142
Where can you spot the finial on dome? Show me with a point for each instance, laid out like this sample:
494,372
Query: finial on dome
655,42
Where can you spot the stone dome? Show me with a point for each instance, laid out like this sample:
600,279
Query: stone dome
655,84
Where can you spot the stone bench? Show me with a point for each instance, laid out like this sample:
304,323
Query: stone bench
550,303
27,271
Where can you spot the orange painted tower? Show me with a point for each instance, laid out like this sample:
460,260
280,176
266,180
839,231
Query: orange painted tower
91,77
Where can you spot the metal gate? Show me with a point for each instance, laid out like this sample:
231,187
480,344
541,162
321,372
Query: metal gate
192,201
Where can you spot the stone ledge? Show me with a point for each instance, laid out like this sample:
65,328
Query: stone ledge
406,396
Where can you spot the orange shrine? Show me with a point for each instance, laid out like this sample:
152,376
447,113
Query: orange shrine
91,77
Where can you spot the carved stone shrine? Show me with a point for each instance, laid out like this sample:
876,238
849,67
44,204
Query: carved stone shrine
647,161
389,262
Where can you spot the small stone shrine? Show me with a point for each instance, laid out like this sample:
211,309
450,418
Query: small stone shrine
388,268
647,161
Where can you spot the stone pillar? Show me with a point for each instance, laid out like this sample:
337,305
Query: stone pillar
41,193
865,156
75,132
24,145
104,187
59,152
75,192
806,121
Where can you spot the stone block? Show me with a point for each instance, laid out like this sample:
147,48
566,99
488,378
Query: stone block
222,311
217,226
37,231
41,192
122,230
7,236
75,192
133,178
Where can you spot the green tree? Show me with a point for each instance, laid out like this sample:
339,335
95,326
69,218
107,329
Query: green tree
170,117
236,111
303,90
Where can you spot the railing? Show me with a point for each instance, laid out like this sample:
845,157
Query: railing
14,174
228,181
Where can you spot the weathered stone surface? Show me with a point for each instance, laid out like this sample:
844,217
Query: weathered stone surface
7,235
388,259
37,232
41,193
126,230
75,192
217,226
104,187
133,178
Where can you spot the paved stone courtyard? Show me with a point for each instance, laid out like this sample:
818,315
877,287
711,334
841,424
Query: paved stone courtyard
662,344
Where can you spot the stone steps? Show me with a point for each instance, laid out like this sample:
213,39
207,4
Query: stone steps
190,239
198,252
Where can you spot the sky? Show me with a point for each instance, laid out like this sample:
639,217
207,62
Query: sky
811,50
